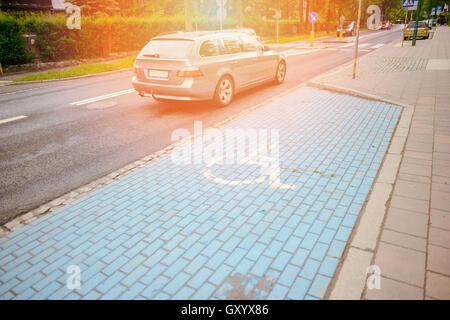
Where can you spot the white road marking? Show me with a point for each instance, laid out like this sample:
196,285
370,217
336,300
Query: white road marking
363,45
377,46
347,45
12,119
104,97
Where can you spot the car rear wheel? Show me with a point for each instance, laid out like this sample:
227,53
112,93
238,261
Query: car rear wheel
281,72
224,92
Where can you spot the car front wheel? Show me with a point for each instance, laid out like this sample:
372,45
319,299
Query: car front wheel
281,73
224,92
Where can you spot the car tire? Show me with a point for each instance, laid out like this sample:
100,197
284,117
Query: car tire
280,74
224,93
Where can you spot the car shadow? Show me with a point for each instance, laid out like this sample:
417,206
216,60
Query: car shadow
200,107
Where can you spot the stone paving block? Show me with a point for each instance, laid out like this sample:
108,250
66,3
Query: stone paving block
416,166
352,277
418,146
407,221
419,155
414,178
401,264
413,190
413,205
397,145
394,290
438,260
389,170
370,224
439,237
440,200
437,286
404,240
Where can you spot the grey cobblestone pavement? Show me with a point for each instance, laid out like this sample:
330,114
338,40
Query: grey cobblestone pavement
413,251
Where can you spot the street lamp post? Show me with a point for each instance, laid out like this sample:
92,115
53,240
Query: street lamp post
419,7
357,41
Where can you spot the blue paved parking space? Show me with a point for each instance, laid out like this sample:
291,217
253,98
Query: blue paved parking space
168,232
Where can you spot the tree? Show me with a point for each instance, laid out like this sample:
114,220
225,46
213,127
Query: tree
98,7
188,15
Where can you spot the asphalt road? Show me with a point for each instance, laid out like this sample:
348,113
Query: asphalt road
56,146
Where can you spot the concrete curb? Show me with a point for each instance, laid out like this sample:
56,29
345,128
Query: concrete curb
71,78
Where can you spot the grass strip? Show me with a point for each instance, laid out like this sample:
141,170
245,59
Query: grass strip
81,70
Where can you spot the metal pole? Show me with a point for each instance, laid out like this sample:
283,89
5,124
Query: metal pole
357,40
404,27
221,14
419,6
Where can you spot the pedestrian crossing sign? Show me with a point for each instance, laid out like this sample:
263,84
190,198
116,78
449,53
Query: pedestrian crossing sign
408,3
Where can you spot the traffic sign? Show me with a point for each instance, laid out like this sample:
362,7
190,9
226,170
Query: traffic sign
408,3
313,17
277,14
439,10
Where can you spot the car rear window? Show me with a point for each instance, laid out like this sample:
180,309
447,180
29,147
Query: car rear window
210,48
168,48
413,23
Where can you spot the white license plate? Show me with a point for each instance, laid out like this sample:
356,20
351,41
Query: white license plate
158,73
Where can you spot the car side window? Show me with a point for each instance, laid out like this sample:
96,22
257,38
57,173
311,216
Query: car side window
232,44
210,48
251,44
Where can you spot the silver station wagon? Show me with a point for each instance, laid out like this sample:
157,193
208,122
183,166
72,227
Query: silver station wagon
205,65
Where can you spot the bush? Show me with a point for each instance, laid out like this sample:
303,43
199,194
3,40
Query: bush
12,49
100,36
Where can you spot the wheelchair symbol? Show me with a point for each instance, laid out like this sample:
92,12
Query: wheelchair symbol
269,167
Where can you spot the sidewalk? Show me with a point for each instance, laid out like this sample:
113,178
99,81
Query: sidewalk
170,231
413,247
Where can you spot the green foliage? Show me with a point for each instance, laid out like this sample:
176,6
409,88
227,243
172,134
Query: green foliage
12,50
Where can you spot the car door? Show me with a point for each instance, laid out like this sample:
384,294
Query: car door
264,63
239,61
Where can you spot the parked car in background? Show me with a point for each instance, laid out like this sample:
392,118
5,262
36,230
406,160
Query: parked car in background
349,28
386,25
206,65
422,30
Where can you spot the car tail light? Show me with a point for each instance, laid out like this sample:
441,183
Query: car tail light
191,72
